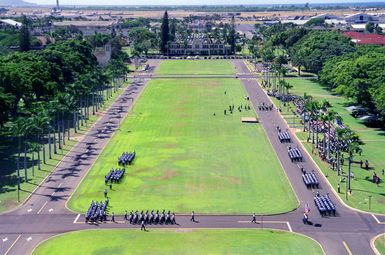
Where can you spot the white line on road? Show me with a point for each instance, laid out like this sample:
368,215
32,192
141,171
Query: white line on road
42,207
375,218
50,210
29,210
59,185
5,239
13,244
29,239
53,193
289,227
76,219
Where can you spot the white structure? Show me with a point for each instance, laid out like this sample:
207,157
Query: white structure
361,18
11,22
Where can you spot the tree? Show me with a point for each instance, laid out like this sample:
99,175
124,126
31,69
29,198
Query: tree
232,35
25,38
315,48
164,33
172,30
369,27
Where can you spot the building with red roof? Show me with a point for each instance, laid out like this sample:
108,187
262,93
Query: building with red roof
362,38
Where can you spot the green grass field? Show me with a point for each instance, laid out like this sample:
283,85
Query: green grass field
373,149
188,159
179,241
380,244
8,157
208,67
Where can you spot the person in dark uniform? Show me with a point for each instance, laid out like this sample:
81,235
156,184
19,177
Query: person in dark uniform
113,217
192,216
105,192
111,184
125,215
254,219
338,188
142,227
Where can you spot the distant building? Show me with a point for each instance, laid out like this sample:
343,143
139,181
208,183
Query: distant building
103,54
199,44
88,28
361,18
200,25
362,38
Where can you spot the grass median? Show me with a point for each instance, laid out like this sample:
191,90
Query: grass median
180,241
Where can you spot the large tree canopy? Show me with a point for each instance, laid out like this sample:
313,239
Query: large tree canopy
316,47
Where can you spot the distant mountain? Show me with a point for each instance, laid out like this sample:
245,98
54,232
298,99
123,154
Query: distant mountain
14,3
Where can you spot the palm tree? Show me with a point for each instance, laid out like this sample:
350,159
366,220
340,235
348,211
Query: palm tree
331,117
33,147
19,131
353,142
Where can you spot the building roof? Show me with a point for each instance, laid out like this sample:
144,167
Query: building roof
83,23
11,22
362,38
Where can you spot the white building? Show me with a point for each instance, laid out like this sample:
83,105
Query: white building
361,18
88,28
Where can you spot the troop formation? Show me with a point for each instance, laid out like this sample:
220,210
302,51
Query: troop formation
114,175
325,205
294,154
97,211
150,218
126,158
265,107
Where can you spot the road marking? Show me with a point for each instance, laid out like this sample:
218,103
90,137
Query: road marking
42,207
76,219
289,227
29,239
5,239
13,244
347,248
375,218
50,210
29,210
53,193
59,185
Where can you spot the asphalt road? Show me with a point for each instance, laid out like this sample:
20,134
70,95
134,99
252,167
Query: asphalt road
45,214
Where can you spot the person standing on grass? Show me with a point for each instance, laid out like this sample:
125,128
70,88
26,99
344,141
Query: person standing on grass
254,219
111,184
105,192
192,216
113,217
338,188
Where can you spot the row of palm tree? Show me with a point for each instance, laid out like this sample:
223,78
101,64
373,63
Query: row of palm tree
345,140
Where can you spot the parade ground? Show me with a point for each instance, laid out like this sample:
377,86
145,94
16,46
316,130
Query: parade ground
190,155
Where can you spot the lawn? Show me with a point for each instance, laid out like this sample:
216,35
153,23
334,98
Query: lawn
179,241
208,67
373,150
8,156
189,159
380,244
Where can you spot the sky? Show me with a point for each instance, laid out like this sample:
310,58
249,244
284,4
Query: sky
188,2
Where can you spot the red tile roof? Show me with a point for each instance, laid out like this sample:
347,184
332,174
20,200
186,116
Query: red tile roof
362,38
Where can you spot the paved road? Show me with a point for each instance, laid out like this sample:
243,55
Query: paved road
44,214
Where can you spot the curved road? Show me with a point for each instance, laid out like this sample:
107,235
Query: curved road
44,214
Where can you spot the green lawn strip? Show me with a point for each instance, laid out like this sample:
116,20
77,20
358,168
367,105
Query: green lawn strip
197,67
373,150
8,155
380,244
188,159
179,241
